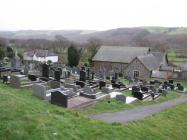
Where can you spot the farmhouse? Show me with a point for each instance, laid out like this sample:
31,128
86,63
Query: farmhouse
41,56
136,62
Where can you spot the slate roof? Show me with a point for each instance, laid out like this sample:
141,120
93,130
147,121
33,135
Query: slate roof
120,54
40,53
149,61
30,53
44,53
166,68
159,56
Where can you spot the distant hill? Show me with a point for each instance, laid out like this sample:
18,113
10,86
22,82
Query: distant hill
173,37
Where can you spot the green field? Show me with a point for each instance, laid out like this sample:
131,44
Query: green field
25,117
169,31
177,57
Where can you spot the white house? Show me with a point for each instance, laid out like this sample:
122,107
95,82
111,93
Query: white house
41,56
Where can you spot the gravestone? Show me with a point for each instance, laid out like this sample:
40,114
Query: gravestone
26,70
121,98
113,81
45,70
135,88
93,75
15,62
60,70
32,77
57,75
5,79
72,86
171,81
116,85
108,77
80,83
102,84
138,95
82,75
144,88
89,90
171,86
88,73
54,84
59,98
178,84
152,95
105,90
68,74
181,88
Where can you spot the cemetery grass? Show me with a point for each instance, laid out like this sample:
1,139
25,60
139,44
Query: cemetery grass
112,105
25,117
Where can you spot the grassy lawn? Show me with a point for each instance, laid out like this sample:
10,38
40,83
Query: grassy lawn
25,117
112,105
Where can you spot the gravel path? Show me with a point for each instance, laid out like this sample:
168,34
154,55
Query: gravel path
138,113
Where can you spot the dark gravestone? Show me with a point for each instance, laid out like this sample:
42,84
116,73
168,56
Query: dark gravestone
113,81
93,75
156,81
5,79
144,88
181,88
116,85
165,82
171,86
102,84
69,73
58,98
15,70
108,77
93,82
80,83
82,75
60,70
45,70
152,82
32,77
171,81
152,95
160,90
122,85
164,87
135,88
138,94
88,73
178,84
57,75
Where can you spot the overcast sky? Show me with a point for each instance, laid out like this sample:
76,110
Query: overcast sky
90,14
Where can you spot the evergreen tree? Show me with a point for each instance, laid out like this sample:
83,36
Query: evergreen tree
73,56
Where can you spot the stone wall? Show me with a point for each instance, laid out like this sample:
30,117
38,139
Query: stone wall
165,74
144,73
108,66
183,75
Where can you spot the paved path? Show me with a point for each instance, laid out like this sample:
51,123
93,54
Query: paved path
138,113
